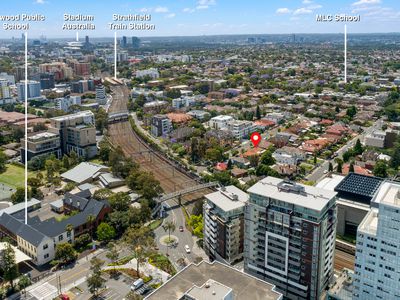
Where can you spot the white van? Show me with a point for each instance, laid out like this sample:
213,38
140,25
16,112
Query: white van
137,284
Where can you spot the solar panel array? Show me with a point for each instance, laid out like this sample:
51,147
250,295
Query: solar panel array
359,185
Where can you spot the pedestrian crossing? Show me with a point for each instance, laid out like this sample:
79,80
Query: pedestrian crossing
46,291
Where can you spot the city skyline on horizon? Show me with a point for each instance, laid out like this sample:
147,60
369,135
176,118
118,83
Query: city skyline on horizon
210,17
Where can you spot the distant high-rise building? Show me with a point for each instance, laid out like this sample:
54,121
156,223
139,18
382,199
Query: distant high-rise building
124,42
101,94
66,102
87,39
290,236
377,265
33,90
135,42
4,89
160,125
77,133
46,81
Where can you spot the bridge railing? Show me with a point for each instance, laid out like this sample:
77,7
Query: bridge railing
187,191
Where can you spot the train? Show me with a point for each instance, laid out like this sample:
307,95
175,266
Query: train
118,117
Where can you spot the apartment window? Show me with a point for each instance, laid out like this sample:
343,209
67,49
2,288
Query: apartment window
68,233
46,256
60,237
45,246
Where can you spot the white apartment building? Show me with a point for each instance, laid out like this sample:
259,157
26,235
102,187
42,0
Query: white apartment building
65,103
375,139
223,213
152,72
184,101
377,265
288,155
241,129
220,122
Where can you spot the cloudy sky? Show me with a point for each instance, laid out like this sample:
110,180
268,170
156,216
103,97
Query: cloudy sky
208,17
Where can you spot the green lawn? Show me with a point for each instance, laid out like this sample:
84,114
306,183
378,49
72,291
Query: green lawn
13,176
155,224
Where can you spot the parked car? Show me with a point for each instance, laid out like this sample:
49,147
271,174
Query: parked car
187,249
181,228
137,284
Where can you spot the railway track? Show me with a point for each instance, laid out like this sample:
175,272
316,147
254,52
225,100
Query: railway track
170,176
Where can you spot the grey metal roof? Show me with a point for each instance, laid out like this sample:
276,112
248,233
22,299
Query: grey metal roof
19,228
19,206
83,172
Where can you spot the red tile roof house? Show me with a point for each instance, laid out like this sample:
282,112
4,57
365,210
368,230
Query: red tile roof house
337,130
253,152
357,169
263,123
313,146
221,166
326,122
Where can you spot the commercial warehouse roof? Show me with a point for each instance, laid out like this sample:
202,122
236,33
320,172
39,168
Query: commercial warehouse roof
84,172
301,195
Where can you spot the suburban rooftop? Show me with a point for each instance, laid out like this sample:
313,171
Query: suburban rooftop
244,286
298,194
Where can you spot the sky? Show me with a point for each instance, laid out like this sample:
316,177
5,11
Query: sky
209,17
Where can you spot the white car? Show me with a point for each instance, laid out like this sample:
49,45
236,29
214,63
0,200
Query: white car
187,249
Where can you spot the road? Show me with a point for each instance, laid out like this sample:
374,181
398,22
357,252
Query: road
175,253
320,171
67,278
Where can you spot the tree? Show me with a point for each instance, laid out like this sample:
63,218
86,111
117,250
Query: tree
65,253
105,232
65,161
19,195
139,239
119,201
90,219
196,222
23,282
339,166
330,167
145,184
380,169
83,240
351,167
104,151
395,161
101,119
69,228
267,159
73,158
258,113
358,148
95,282
169,227
102,194
3,161
112,253
9,265
351,111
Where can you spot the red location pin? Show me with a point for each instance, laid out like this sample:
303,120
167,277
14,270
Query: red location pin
255,138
